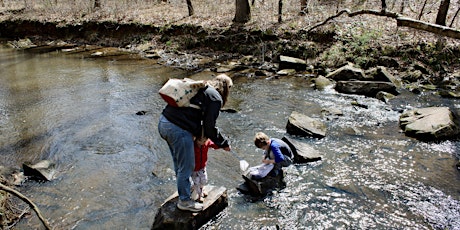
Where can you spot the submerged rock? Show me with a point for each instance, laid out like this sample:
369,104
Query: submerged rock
170,217
432,123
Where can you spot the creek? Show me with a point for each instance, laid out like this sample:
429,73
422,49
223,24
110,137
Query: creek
114,170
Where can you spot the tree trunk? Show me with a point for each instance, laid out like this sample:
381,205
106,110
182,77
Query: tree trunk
97,4
190,8
3,3
384,5
242,12
338,5
442,13
280,10
421,11
455,16
303,7
403,4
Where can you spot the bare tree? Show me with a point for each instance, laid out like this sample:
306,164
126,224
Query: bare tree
280,10
190,8
242,12
442,12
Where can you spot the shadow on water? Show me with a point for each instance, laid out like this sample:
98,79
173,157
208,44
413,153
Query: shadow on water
115,170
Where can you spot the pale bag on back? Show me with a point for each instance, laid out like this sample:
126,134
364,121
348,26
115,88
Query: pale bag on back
178,92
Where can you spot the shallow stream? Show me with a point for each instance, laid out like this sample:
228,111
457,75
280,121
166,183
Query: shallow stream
114,171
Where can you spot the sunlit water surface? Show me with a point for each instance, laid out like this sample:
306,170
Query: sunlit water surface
81,114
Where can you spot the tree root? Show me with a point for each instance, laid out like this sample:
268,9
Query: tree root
28,201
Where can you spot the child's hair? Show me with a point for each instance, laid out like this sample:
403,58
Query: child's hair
261,139
201,140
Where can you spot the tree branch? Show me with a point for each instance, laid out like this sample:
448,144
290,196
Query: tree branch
355,13
401,21
433,28
28,201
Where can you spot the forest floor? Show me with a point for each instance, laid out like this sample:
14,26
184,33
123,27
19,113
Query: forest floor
141,27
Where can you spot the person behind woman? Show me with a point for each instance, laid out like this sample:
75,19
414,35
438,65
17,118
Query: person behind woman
179,125
199,175
276,151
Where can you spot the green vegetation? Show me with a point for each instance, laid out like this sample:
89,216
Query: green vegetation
357,46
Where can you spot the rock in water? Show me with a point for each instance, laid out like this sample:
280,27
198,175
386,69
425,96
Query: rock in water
43,170
261,187
431,123
170,217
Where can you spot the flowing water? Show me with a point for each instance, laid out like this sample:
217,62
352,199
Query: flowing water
80,113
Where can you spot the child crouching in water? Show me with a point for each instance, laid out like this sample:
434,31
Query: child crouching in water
199,175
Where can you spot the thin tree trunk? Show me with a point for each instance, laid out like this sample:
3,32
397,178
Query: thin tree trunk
442,13
338,5
421,11
280,11
384,5
190,8
403,6
97,4
303,7
453,19
242,12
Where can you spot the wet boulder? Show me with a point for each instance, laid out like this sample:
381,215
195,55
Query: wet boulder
170,217
302,125
384,96
367,88
258,188
43,170
303,153
322,82
331,112
292,63
431,123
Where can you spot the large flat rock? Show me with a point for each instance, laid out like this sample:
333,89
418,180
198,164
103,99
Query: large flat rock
303,153
170,217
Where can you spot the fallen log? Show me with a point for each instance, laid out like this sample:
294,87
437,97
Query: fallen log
400,21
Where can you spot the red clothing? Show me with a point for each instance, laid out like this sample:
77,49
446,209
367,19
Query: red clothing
201,154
